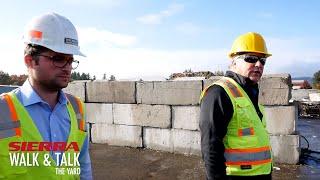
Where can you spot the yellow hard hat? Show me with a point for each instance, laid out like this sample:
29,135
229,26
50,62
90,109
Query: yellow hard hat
249,42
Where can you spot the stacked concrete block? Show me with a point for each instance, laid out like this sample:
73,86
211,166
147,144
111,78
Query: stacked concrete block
275,89
169,92
158,139
118,135
111,91
285,148
281,117
314,97
77,88
174,140
165,115
142,115
186,142
281,120
186,117
99,113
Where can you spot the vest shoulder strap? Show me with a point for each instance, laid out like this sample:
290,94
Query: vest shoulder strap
9,122
78,109
227,83
231,85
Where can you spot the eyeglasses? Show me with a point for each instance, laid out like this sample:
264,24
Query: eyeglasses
253,59
61,61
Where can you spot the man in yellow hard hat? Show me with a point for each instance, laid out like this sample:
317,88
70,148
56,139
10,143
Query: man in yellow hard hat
234,140
38,121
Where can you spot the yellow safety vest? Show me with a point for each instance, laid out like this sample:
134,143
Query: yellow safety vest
16,125
247,144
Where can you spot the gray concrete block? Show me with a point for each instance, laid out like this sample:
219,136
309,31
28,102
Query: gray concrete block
275,81
186,142
76,88
285,148
274,96
99,133
275,89
99,113
158,139
314,96
174,140
142,115
169,92
300,94
186,117
118,135
111,91
281,119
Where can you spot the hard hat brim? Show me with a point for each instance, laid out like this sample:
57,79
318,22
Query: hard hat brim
231,54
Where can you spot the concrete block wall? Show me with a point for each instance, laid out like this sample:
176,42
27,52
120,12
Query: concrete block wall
164,115
275,89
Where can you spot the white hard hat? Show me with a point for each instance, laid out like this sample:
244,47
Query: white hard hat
54,32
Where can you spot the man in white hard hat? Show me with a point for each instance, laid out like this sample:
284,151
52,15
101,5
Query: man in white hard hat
39,119
234,140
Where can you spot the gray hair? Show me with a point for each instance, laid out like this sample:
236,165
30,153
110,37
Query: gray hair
233,61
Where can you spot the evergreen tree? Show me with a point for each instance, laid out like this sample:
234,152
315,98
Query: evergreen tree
4,78
316,80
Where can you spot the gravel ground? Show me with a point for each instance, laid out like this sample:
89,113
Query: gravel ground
112,162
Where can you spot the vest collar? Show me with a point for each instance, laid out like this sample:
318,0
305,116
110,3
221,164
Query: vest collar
243,81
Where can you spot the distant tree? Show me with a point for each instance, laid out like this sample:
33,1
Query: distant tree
75,76
188,71
78,76
85,76
112,78
18,80
104,76
316,80
94,77
4,78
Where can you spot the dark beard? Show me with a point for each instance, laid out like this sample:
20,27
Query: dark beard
52,86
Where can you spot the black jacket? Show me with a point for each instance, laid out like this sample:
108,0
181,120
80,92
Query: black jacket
216,111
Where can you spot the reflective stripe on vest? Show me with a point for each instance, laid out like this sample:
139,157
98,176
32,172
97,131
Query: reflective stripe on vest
252,156
233,89
246,131
9,122
78,109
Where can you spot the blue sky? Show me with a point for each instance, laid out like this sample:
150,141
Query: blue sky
143,38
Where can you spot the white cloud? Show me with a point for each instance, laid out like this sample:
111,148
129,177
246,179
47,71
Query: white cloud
97,37
157,18
125,61
138,62
288,57
292,56
12,54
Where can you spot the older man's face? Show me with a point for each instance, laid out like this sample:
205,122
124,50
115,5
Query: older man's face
250,65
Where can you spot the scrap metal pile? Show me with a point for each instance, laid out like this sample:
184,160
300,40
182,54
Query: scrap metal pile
309,109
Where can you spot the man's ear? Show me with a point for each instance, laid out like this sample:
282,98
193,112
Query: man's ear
28,61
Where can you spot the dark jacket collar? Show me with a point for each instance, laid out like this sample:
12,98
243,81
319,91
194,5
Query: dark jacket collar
244,82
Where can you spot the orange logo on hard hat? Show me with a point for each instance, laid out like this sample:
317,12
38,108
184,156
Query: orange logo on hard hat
35,34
